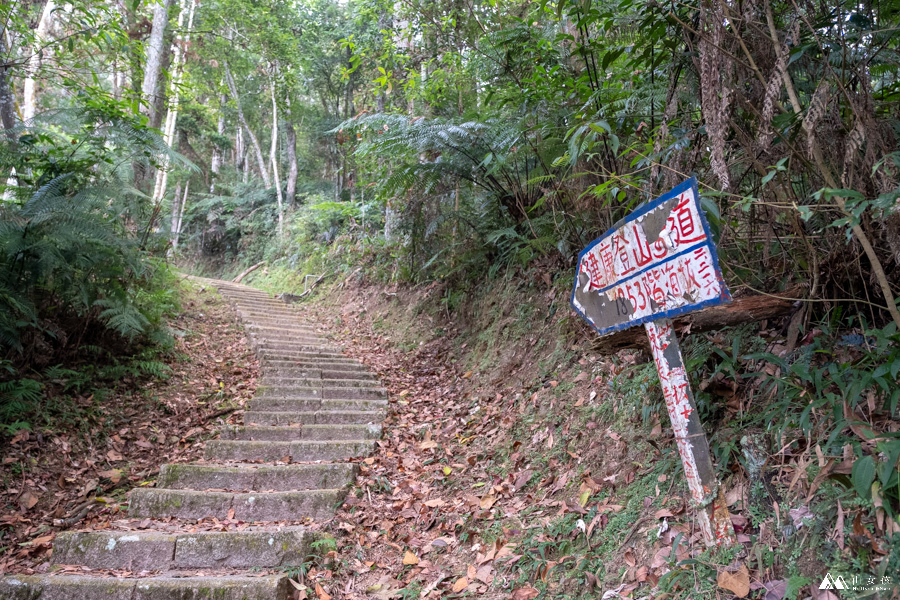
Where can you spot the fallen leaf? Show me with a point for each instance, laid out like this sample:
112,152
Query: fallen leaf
28,500
839,527
44,539
410,559
525,593
485,574
775,590
738,583
487,501
113,456
799,514
461,584
427,445
114,475
434,503
321,593
662,513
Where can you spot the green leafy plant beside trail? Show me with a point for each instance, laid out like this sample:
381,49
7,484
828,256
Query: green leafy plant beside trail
83,276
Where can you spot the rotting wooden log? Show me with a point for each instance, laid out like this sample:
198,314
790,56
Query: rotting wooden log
742,310
247,271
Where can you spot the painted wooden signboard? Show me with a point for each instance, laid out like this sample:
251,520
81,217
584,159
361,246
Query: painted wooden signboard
657,263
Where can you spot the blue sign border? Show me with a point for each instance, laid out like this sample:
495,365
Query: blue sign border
723,298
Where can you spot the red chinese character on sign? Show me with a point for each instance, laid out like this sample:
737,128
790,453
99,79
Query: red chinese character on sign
685,227
590,266
640,249
606,260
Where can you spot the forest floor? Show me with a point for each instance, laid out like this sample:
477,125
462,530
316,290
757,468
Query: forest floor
453,503
87,448
516,463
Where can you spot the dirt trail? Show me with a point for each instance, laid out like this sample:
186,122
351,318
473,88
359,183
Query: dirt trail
287,467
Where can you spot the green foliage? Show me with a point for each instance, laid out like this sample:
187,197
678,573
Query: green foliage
69,250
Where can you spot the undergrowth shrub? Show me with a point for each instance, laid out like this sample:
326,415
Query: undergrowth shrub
83,278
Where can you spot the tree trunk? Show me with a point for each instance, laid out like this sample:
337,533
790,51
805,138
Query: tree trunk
176,208
162,175
742,310
216,160
291,139
154,58
229,80
178,218
132,51
239,149
273,156
7,99
29,101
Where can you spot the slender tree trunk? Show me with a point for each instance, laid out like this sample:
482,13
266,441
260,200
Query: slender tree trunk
239,149
291,139
116,85
273,156
229,80
7,99
176,208
154,58
216,160
29,100
178,216
162,175
7,113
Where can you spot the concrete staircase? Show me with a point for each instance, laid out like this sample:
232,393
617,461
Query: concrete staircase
290,463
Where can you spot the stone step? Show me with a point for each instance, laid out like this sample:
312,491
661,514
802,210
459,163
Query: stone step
278,478
299,451
255,300
284,329
341,362
319,433
332,378
298,346
153,551
275,321
315,350
82,587
286,404
258,341
247,294
315,354
262,309
271,318
275,375
323,393
253,506
346,417
278,338
282,381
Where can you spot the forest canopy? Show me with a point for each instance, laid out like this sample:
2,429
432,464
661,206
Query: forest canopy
446,139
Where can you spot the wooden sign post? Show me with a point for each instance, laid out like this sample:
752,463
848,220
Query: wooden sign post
656,264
